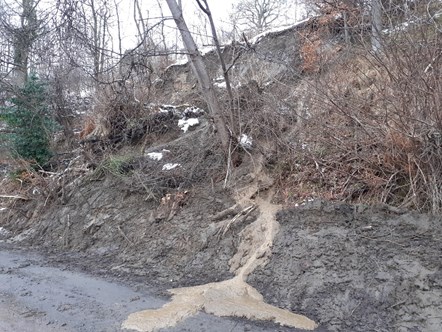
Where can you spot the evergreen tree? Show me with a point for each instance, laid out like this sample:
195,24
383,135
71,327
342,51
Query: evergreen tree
30,122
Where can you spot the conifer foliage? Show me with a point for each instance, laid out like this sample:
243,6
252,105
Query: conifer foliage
30,123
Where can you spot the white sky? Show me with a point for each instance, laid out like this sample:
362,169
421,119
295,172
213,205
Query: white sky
220,9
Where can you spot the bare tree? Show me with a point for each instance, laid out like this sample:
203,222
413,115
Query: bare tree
205,8
201,73
20,28
259,15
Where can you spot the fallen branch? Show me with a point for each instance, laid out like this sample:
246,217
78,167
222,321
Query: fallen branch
224,213
239,217
124,235
15,197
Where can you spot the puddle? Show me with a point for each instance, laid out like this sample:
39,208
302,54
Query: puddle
232,297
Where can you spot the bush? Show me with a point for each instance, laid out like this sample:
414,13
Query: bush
30,123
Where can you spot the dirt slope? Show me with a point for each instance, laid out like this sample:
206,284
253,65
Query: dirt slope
345,267
354,268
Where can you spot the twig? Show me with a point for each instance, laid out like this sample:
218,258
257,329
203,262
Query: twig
15,197
229,161
124,235
396,304
65,235
353,310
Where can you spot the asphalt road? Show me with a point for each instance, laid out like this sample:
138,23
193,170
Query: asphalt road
36,297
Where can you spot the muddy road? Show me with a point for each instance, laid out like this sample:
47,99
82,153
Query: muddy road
35,296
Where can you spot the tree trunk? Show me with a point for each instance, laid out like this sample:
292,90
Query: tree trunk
376,25
23,40
205,8
202,75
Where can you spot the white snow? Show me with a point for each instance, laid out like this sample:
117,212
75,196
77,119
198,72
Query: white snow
169,166
258,38
207,49
167,108
221,85
245,141
181,62
185,124
155,155
4,231
193,110
85,93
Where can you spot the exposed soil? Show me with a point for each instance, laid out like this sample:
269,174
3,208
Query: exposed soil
349,268
353,268
345,267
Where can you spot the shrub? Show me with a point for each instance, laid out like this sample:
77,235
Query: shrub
30,123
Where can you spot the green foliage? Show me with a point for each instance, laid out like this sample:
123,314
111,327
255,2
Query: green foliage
116,165
30,122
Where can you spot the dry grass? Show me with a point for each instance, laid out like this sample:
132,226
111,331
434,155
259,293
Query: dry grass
374,128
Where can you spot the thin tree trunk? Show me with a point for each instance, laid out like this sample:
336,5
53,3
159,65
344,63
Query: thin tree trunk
206,10
346,34
201,73
376,25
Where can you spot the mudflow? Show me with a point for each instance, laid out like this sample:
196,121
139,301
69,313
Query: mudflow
232,297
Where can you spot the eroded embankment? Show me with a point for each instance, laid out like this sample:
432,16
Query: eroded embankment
233,297
357,268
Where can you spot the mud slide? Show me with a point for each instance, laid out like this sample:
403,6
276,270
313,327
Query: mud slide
232,297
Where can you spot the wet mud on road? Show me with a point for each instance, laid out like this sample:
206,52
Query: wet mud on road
37,297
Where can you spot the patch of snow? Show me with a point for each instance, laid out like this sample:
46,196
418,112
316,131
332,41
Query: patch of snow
167,108
2,209
155,155
169,166
404,26
305,201
181,62
193,111
221,85
4,232
85,93
258,38
246,141
207,49
185,124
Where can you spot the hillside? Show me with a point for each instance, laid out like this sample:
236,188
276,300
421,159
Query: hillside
323,215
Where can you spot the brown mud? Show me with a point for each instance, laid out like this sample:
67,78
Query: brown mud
233,297
355,268
345,267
